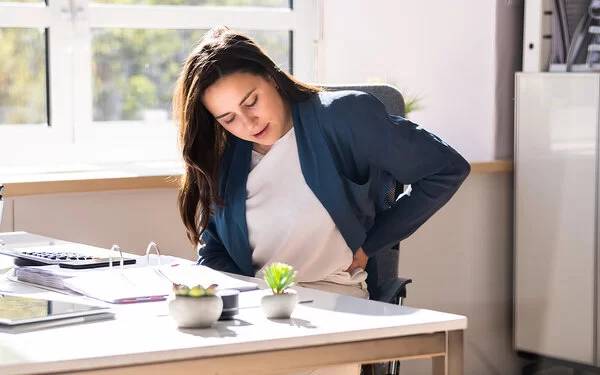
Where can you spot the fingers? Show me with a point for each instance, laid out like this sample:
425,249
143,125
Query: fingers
352,266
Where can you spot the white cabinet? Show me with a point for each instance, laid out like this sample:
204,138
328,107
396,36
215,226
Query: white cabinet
556,215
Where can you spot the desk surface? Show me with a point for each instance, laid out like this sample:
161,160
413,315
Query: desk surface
145,334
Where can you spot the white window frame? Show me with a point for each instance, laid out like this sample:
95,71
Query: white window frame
73,137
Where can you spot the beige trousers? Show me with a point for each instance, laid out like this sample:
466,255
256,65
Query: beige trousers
357,290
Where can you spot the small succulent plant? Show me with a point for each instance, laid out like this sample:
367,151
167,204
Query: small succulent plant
196,291
279,277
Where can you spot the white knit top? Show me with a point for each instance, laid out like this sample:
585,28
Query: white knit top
287,223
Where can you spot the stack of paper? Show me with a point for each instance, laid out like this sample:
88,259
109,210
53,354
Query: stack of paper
53,276
50,276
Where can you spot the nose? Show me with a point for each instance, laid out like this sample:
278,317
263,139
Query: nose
250,122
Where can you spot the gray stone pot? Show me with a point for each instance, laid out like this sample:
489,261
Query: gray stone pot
195,312
279,306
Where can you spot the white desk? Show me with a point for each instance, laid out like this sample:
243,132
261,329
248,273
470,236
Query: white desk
331,330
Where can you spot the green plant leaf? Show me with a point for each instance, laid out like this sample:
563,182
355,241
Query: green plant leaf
279,277
195,291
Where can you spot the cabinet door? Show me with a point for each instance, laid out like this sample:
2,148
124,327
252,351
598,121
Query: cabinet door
556,173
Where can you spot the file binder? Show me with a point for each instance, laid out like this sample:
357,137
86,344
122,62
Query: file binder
151,278
147,284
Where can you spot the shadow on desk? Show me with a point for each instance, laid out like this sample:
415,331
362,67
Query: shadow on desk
294,322
220,329
347,304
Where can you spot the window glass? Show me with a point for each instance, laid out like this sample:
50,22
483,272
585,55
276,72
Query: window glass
23,87
134,70
254,3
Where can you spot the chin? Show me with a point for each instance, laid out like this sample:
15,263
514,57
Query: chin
267,142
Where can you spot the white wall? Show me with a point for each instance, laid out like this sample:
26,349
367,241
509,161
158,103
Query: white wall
459,56
461,261
129,218
443,51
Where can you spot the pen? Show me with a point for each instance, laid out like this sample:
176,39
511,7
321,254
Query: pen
142,299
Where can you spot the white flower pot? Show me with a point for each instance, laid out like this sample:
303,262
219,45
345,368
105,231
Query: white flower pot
279,306
195,312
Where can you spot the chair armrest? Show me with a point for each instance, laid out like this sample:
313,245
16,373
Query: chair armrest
391,290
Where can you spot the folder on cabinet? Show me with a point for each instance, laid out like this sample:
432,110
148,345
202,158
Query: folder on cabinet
537,36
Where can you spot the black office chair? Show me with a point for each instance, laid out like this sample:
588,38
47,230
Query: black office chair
383,281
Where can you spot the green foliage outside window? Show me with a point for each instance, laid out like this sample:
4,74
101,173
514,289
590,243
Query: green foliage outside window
133,70
22,76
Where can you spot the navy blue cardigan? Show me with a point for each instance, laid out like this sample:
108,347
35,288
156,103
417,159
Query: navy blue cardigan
350,153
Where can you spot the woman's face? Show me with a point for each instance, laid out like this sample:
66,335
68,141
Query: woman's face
249,107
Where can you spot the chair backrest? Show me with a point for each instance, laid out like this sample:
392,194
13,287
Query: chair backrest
389,95
386,260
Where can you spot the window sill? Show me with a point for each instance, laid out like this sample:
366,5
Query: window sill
90,178
131,176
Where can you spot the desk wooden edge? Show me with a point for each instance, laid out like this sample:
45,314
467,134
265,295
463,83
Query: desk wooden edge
17,189
445,348
496,166
66,185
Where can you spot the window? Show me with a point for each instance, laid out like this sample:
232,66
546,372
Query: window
92,81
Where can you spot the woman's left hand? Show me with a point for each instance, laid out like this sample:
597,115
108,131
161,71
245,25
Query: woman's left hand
359,261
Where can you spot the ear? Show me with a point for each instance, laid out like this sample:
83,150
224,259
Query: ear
272,81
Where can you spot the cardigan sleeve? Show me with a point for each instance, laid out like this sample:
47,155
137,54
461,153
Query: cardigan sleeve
412,155
212,252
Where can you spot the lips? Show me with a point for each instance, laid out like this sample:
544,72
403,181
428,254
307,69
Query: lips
262,133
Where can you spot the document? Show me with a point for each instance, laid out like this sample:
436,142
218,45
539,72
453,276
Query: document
131,285
147,280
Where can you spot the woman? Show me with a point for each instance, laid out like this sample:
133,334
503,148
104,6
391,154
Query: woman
278,170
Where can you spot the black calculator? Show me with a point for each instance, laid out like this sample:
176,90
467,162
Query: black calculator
67,259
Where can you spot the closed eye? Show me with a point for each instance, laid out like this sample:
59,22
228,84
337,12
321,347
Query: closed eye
250,105
230,120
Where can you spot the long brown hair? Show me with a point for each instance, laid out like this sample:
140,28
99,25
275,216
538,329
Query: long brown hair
220,52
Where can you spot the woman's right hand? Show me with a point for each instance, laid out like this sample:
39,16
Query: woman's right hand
359,260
